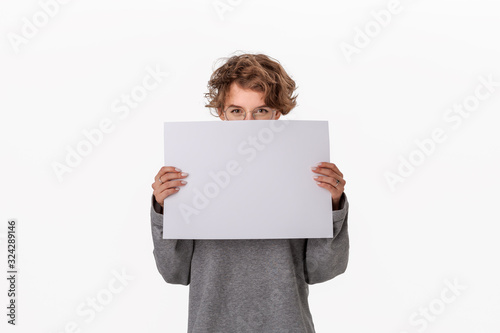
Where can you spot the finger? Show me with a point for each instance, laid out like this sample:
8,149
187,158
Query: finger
164,176
331,181
330,166
336,192
327,172
168,184
169,175
163,170
166,169
160,197
166,189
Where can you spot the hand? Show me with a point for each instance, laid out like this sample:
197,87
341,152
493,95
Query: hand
166,182
329,179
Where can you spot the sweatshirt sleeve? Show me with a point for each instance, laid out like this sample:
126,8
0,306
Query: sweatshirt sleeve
325,258
172,256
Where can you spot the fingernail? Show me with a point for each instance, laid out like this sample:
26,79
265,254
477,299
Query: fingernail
177,169
184,174
183,182
314,167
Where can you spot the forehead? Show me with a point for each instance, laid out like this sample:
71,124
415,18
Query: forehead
244,97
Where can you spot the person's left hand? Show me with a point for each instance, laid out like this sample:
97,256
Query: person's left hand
331,179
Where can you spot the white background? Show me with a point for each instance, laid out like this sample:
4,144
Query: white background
440,224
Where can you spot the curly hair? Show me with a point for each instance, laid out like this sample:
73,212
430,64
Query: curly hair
257,72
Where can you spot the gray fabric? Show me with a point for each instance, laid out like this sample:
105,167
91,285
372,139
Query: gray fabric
250,285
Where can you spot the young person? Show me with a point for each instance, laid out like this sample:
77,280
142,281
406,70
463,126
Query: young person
251,285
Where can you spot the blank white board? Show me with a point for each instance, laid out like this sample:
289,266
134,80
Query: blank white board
247,180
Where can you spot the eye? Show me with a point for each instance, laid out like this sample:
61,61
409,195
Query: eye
263,110
235,111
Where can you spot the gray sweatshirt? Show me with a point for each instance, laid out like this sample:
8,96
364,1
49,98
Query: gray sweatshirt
250,285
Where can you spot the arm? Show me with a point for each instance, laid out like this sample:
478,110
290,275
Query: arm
325,258
172,256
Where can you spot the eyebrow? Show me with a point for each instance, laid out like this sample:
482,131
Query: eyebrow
237,106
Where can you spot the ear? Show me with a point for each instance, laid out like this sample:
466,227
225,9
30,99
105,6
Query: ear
277,115
221,114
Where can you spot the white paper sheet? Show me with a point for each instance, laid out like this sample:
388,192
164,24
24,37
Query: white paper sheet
247,180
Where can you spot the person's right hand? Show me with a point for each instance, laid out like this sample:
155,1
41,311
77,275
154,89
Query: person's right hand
166,182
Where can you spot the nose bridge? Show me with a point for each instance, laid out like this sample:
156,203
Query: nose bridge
248,115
